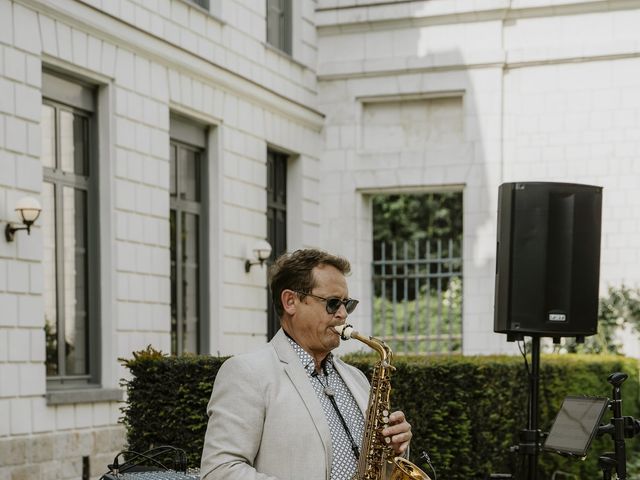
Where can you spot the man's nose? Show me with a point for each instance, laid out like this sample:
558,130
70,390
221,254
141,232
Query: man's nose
342,311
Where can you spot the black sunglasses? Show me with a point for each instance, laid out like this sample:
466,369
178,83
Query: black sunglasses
333,303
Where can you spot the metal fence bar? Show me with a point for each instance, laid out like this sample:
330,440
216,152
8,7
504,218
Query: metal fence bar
450,302
427,325
384,292
394,290
405,253
439,286
416,292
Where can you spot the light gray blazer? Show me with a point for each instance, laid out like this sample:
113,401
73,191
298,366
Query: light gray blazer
265,421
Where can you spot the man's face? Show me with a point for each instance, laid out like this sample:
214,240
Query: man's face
312,326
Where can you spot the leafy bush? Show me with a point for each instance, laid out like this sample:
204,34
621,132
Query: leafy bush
620,307
465,411
167,400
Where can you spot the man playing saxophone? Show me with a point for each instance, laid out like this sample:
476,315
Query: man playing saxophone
292,410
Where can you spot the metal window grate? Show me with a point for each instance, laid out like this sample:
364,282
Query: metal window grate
417,296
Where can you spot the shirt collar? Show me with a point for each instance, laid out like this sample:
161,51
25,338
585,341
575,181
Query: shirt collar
306,360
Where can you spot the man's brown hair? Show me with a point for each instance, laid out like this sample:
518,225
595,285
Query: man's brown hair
294,271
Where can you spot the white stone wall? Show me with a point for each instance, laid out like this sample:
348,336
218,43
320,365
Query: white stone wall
148,60
548,92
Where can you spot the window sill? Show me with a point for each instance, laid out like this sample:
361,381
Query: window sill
84,395
206,11
286,55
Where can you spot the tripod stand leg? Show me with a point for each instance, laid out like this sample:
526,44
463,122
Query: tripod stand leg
606,463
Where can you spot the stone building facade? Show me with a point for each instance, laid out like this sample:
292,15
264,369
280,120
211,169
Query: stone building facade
157,128
136,86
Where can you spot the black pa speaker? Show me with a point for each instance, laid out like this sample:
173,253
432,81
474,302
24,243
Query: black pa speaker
548,259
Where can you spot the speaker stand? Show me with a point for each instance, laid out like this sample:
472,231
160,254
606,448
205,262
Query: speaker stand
529,446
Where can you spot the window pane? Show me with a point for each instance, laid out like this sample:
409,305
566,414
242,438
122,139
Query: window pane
173,189
73,143
188,174
174,285
47,220
48,129
190,289
279,24
74,202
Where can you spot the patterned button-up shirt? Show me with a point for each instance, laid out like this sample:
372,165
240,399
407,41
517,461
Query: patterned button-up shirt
344,460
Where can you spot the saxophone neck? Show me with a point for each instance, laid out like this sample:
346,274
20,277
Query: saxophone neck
346,332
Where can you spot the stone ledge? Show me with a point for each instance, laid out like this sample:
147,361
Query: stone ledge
87,395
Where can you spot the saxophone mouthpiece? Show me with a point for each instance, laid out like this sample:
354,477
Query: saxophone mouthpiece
344,331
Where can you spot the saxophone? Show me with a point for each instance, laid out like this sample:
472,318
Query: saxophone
375,454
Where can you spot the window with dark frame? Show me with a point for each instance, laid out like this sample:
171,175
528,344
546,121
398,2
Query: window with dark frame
279,24
70,239
276,221
201,3
187,227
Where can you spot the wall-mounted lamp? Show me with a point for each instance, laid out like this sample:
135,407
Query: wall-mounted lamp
261,252
29,210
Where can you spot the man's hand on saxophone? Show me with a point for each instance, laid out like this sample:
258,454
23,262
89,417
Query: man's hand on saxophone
398,431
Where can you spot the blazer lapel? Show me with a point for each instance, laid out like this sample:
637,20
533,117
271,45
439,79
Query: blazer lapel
300,381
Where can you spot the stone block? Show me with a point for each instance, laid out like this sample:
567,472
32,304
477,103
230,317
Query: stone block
27,36
7,97
79,41
6,23
65,420
48,35
16,134
26,472
30,246
43,419
108,63
65,45
35,278
84,418
19,346
142,73
9,309
85,438
94,53
41,449
100,415
14,451
20,416
34,140
5,415
32,377
8,178
18,281
30,311
28,173
124,69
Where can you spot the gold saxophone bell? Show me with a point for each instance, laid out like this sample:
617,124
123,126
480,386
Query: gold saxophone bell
403,469
375,456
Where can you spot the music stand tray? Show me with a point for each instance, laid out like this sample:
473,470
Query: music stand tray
575,425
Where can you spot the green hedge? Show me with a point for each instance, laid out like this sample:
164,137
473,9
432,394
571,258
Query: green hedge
465,411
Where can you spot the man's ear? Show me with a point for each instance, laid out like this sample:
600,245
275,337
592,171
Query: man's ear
288,299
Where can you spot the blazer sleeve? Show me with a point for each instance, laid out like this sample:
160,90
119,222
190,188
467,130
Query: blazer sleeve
236,415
